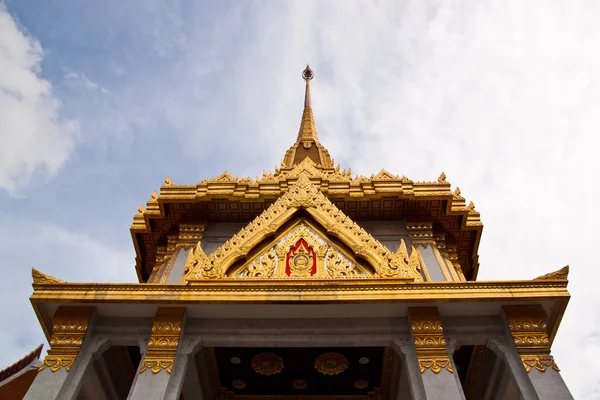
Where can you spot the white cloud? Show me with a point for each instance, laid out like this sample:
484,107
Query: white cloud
33,138
502,97
70,255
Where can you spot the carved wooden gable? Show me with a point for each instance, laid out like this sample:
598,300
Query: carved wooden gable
306,249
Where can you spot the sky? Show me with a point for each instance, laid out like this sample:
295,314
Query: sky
99,101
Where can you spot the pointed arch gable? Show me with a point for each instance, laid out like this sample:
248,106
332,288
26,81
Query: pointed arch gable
303,195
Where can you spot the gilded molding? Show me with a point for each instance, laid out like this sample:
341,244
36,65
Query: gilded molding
528,328
561,274
430,343
539,362
40,277
69,327
164,340
302,195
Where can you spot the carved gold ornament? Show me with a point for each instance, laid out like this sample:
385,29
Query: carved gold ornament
267,363
541,363
299,384
40,277
430,343
528,329
561,274
239,383
304,195
361,384
69,326
164,340
331,363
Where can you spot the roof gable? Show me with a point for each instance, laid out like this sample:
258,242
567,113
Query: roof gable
304,195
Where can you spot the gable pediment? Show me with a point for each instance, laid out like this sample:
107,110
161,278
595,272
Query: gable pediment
325,217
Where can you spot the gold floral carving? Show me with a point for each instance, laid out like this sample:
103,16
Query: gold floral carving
69,326
40,277
267,363
164,340
561,274
263,267
528,329
331,363
302,195
340,267
430,343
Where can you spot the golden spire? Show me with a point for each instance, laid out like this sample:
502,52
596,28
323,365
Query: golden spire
308,131
307,144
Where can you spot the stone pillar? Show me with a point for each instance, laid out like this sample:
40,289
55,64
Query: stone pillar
528,329
159,375
69,329
410,374
434,362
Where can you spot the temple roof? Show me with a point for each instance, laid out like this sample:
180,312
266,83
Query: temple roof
176,210
16,379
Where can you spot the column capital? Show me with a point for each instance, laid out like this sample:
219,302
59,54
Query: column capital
430,343
164,340
69,327
528,329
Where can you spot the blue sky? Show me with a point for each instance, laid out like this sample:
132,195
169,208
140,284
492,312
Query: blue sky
100,101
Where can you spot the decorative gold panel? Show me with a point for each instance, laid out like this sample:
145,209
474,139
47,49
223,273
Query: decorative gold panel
69,326
528,329
164,340
430,343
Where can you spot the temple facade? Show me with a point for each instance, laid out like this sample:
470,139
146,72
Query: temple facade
306,283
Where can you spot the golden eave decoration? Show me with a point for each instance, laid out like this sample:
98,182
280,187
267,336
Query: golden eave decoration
303,195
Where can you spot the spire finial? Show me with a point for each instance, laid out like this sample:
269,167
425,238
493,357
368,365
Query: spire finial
308,131
307,144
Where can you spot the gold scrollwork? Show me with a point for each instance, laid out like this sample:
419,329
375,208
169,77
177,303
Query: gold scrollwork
430,343
263,267
164,340
69,327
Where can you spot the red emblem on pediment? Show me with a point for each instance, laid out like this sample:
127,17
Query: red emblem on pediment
301,260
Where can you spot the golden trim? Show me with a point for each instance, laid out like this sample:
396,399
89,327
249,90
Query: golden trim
541,363
164,340
302,195
441,263
430,343
69,327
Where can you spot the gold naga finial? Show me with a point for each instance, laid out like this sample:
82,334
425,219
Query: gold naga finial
168,181
40,277
562,275
442,178
154,195
141,209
